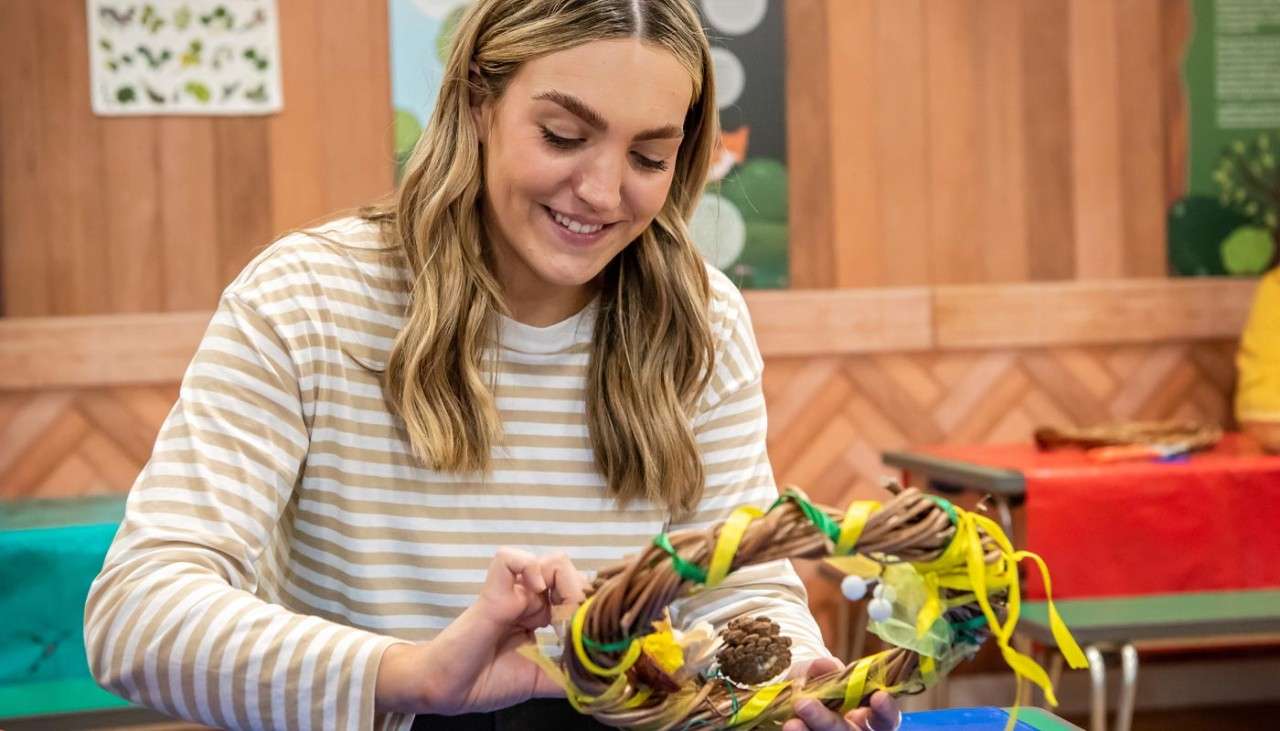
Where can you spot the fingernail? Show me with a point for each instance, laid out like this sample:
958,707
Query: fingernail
805,707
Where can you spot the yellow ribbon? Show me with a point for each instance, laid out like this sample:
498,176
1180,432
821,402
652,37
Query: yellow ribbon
855,519
581,702
1061,635
629,659
857,683
928,669
962,567
760,701
727,545
638,698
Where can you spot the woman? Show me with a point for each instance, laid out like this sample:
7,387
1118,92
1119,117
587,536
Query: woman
523,349
1258,360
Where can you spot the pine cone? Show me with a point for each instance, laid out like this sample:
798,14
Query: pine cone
754,650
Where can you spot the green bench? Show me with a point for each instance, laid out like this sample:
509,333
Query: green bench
1108,625
50,551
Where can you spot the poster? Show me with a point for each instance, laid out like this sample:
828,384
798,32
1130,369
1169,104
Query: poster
740,223
184,57
1227,222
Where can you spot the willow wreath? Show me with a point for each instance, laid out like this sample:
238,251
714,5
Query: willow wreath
951,574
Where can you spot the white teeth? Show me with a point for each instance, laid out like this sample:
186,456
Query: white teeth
574,226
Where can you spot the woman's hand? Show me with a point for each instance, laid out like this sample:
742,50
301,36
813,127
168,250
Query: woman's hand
472,665
811,715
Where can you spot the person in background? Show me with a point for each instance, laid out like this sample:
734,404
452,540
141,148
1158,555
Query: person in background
1258,360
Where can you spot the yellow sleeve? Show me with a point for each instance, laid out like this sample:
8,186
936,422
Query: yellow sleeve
1258,390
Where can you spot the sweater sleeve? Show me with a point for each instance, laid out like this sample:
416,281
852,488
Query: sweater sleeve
731,427
1258,359
178,620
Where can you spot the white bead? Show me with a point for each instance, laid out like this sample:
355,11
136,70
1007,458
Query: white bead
853,587
879,610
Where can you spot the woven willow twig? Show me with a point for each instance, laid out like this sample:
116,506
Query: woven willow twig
626,599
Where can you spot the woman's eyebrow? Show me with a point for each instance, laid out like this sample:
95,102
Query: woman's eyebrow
581,110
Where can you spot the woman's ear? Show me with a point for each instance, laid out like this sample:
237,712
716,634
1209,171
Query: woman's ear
479,105
479,118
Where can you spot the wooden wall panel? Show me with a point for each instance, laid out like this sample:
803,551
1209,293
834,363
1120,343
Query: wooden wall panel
189,221
1046,117
985,140
1142,134
1006,235
901,159
853,136
145,214
1096,151
20,188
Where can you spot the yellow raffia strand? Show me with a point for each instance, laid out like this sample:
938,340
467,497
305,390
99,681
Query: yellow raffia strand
932,608
962,567
928,669
856,686
629,659
727,544
855,519
581,702
760,701
1061,635
638,698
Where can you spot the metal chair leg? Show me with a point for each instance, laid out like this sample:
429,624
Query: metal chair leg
1098,700
1056,664
1129,687
1006,515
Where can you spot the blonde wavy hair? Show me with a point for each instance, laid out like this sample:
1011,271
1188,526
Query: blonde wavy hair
652,351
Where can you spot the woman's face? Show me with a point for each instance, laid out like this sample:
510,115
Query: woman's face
578,154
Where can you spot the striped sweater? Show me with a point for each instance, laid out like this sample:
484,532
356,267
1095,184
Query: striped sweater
282,535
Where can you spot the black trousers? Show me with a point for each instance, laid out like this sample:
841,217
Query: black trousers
539,714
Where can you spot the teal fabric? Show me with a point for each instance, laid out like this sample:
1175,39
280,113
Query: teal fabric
50,551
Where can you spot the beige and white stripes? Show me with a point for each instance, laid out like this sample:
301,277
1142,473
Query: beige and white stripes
282,537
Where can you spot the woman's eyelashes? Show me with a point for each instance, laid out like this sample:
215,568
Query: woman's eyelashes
559,142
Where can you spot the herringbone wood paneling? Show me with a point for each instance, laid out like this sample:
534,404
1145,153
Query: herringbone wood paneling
80,442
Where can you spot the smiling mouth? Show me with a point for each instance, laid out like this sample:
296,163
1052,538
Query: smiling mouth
575,226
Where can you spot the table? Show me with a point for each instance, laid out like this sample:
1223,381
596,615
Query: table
1225,502
1111,530
50,551
1117,622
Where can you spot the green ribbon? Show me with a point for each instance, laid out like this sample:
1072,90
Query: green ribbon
687,570
815,515
965,630
618,646
946,505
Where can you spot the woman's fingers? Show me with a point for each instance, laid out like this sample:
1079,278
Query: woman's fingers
522,567
566,583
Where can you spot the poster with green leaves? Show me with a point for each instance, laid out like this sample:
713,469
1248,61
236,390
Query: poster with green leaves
184,57
740,223
1227,223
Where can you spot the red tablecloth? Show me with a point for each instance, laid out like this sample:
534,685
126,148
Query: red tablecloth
1209,522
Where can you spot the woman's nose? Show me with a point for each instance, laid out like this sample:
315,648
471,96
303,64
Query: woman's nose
600,183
